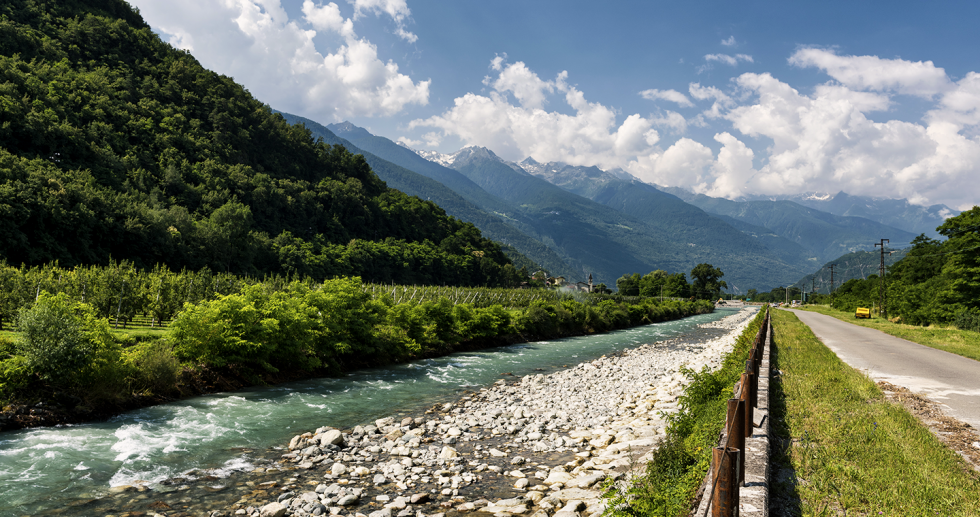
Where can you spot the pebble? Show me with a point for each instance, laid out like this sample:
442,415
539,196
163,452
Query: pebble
596,414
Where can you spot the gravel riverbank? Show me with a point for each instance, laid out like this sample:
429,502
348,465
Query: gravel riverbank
539,446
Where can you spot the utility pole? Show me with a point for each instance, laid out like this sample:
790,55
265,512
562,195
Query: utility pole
813,284
832,266
881,290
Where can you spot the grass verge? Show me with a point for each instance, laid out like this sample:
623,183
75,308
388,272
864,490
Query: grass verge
965,343
847,449
681,460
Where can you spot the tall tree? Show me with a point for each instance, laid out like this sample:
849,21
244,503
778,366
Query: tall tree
707,282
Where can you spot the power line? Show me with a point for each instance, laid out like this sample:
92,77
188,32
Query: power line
881,290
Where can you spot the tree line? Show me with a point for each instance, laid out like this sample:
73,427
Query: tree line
706,284
938,281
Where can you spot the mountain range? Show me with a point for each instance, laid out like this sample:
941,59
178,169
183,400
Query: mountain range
576,220
596,236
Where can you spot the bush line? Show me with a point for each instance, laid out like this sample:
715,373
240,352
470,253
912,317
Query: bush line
66,358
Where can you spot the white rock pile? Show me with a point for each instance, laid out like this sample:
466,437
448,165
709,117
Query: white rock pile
547,442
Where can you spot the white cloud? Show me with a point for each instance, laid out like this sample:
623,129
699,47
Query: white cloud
732,171
327,17
397,9
730,42
775,139
825,141
874,73
667,95
524,84
721,100
671,119
256,43
590,135
728,60
683,164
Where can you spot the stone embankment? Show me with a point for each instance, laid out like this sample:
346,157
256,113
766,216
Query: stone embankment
541,447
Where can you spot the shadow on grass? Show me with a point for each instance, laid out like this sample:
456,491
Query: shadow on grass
784,497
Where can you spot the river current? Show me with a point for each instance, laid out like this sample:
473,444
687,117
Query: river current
50,468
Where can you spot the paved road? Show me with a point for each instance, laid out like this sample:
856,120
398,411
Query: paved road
946,378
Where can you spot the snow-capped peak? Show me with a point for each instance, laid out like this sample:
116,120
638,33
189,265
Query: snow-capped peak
446,160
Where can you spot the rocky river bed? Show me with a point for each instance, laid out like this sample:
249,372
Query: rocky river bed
539,445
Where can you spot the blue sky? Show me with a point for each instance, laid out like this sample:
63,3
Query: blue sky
724,98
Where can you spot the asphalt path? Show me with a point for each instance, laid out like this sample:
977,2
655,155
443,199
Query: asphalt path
948,379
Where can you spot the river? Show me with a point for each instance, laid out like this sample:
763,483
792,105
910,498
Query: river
50,468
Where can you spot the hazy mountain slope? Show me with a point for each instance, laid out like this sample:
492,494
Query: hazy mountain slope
683,222
611,241
686,222
783,248
827,235
859,264
399,155
898,213
407,181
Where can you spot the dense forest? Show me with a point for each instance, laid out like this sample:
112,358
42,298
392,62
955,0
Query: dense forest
936,282
116,146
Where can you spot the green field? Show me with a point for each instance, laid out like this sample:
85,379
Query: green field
842,448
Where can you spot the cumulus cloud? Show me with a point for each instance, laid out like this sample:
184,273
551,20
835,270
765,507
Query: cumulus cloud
397,9
772,138
921,78
589,135
667,95
275,57
672,120
730,42
825,141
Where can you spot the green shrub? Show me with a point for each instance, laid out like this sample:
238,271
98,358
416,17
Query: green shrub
64,342
968,319
153,366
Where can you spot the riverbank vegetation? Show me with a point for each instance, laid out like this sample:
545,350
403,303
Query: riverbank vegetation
682,458
848,450
65,357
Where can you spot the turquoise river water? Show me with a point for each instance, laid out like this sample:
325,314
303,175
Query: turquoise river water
48,468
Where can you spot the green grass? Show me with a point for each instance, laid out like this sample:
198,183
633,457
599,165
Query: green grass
126,337
853,451
950,339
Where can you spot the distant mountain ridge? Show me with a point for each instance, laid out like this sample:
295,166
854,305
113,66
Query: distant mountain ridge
608,222
650,229
825,235
898,213
455,204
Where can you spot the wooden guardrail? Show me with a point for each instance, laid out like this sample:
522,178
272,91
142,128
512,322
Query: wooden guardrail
728,461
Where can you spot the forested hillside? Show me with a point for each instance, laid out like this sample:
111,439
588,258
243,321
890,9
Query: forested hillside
114,144
859,265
